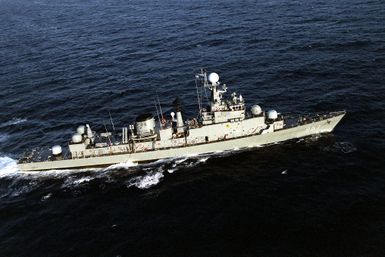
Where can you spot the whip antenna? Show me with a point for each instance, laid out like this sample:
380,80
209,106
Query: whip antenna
112,123
160,107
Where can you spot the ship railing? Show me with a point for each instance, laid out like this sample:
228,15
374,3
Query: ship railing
293,120
35,155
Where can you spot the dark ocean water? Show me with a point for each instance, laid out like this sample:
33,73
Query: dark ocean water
64,63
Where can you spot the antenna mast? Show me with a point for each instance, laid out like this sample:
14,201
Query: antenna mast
202,77
198,96
112,123
107,133
157,113
160,107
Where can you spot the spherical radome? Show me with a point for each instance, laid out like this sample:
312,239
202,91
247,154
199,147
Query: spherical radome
272,114
81,129
256,110
56,150
213,77
76,138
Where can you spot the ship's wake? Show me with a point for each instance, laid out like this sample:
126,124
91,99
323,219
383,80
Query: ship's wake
8,167
15,183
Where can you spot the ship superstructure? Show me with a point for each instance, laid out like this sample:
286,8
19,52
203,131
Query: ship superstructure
223,125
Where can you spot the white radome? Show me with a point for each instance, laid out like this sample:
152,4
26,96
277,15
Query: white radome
77,138
272,115
56,150
81,129
256,110
213,77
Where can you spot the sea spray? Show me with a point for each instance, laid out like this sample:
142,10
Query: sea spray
146,181
8,167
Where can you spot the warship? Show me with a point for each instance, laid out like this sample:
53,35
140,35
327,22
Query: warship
224,124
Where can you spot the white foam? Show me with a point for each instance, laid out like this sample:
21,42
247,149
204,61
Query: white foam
14,121
179,161
171,170
146,181
203,159
24,182
46,197
123,165
198,162
8,167
82,180
73,181
195,162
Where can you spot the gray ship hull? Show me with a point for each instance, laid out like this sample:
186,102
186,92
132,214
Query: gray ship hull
257,140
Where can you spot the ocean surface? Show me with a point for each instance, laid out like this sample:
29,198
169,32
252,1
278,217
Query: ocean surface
70,62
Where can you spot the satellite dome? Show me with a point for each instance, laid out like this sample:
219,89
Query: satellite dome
272,115
81,129
77,138
213,77
56,150
256,110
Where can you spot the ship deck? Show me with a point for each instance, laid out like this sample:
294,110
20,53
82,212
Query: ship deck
291,120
